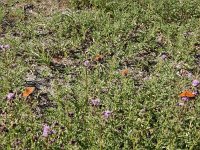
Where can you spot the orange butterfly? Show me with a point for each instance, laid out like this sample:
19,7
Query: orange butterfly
187,93
28,91
124,72
98,57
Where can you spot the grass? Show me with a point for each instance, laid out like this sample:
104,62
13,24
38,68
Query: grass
49,43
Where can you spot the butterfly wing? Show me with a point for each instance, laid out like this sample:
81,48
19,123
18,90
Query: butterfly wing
190,94
187,94
28,91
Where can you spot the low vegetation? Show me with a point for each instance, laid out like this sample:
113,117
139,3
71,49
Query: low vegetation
97,74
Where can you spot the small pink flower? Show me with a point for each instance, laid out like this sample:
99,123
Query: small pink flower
107,114
46,130
6,46
10,96
195,83
86,63
95,102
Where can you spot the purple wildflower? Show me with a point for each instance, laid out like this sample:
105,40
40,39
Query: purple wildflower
195,92
10,96
46,130
95,102
107,114
185,98
195,83
86,63
6,46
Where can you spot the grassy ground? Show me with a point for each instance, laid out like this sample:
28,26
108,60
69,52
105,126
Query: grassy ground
75,52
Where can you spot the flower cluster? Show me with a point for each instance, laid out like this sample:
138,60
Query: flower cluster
47,131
